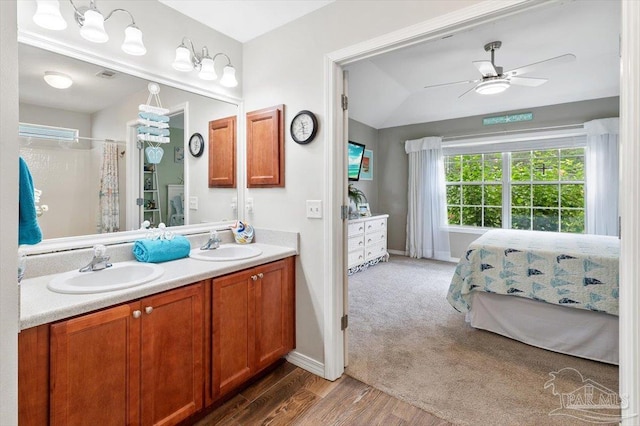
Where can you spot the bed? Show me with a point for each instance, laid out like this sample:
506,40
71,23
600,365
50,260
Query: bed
557,291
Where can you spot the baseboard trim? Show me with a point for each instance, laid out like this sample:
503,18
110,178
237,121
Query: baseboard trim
306,363
398,252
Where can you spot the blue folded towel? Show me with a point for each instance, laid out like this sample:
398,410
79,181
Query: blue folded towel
28,229
153,131
153,117
156,251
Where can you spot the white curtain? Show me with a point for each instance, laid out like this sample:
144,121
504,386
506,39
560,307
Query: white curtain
109,191
602,176
427,235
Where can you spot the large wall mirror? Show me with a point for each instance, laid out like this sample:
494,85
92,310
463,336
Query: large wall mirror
78,178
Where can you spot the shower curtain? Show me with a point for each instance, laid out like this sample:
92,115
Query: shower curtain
109,192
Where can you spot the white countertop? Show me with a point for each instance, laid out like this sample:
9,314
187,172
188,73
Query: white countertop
39,305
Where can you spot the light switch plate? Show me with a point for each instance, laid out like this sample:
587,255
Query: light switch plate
193,203
314,209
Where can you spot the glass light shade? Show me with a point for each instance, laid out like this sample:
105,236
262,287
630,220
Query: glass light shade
492,87
229,77
93,27
207,72
183,59
48,15
133,41
58,80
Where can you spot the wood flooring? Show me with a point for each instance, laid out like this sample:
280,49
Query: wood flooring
292,396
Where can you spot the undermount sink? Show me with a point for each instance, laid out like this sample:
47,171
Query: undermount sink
117,277
226,252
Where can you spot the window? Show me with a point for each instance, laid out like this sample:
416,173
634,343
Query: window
523,189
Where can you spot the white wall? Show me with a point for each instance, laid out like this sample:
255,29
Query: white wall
285,66
8,215
36,114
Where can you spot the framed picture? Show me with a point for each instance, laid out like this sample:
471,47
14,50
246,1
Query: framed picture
178,155
363,209
366,170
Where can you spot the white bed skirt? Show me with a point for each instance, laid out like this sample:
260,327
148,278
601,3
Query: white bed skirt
577,332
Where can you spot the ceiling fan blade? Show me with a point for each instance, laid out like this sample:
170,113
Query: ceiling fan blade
451,84
486,68
527,81
552,61
468,91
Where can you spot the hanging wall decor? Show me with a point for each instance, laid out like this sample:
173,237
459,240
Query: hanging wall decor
154,125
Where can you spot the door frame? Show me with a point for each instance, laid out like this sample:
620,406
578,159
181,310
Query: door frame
335,186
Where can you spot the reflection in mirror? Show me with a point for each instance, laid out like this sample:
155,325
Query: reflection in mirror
92,174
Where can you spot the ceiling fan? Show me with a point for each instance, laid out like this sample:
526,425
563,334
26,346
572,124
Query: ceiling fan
494,80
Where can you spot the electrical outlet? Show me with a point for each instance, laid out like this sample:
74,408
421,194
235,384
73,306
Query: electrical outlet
314,209
249,205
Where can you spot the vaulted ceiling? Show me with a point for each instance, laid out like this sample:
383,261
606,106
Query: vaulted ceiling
388,90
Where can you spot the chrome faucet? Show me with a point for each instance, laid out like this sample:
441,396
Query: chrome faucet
214,241
99,262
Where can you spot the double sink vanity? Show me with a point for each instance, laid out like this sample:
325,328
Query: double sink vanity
163,343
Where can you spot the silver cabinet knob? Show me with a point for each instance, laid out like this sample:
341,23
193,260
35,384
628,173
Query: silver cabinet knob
136,313
148,309
254,277
261,275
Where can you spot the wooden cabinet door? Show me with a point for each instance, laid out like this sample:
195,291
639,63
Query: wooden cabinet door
95,369
233,331
265,147
33,376
275,311
172,375
222,153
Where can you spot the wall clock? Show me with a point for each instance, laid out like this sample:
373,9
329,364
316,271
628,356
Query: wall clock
304,127
196,145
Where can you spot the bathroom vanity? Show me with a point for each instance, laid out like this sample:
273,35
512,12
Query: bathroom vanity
157,353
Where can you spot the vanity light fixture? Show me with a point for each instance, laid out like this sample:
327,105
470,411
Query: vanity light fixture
91,22
57,80
493,86
187,60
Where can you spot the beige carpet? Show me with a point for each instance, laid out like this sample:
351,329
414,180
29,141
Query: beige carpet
406,340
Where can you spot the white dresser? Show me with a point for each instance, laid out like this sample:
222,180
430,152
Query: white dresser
367,242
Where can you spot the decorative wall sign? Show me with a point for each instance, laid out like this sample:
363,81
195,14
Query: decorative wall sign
505,119
366,169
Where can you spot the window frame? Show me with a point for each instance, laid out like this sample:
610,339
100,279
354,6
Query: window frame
506,145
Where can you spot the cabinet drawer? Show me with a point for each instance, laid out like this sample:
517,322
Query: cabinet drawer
376,225
355,243
355,229
375,238
376,250
355,258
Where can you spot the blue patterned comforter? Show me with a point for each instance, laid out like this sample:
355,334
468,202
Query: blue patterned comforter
575,270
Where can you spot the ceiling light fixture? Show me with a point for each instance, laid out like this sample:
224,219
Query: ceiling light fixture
493,86
57,79
91,22
187,60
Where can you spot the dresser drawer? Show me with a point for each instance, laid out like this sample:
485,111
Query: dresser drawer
355,243
355,258
376,225
376,250
355,229
371,238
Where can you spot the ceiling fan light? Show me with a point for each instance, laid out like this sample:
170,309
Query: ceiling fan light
492,87
48,15
93,27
